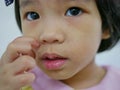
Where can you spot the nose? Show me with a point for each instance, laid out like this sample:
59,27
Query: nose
51,33
51,37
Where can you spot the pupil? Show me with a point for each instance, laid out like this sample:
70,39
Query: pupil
34,15
74,11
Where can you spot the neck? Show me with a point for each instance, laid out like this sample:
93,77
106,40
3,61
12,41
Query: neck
91,75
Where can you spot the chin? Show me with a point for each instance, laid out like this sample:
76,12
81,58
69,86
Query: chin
58,75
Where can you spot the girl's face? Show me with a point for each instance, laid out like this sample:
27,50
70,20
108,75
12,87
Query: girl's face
69,32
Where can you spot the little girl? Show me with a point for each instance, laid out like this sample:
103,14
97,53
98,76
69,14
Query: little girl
59,44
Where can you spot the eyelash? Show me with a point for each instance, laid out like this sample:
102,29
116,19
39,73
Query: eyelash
72,11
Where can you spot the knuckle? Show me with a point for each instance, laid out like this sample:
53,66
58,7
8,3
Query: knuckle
5,76
26,60
4,70
18,38
1,62
27,78
23,80
11,46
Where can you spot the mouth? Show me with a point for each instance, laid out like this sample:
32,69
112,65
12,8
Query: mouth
53,61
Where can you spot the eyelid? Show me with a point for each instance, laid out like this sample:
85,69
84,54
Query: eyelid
82,7
26,12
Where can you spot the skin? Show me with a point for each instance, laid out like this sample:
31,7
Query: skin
75,37
13,64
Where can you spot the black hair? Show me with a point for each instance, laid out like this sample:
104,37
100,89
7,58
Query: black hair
110,15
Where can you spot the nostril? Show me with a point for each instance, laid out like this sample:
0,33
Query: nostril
52,37
50,41
55,41
43,41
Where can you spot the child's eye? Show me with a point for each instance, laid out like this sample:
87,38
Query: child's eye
32,16
73,11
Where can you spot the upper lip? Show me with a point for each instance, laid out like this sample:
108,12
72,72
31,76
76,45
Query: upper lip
51,56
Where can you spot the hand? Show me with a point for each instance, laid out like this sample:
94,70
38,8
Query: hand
18,59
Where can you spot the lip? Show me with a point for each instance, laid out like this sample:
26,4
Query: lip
53,61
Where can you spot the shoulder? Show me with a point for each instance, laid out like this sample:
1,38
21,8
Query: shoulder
110,81
112,78
42,80
112,71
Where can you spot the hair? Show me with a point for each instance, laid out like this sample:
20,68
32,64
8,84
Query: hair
110,15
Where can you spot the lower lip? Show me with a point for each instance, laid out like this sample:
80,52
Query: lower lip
54,64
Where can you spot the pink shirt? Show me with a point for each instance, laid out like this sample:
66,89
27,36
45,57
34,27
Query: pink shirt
110,82
43,82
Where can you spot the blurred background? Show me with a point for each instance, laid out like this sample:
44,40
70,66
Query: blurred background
9,31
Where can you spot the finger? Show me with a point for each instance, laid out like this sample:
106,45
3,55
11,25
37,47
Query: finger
21,45
22,64
22,80
35,45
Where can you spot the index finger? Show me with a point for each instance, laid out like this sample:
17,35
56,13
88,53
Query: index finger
20,46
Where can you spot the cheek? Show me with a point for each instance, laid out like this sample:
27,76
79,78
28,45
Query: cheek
29,29
84,38
86,43
26,29
81,53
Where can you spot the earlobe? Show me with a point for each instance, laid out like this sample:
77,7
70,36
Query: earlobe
106,34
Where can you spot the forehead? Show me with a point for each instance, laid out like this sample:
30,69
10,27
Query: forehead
27,2
52,0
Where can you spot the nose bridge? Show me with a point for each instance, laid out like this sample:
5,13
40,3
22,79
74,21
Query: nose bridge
51,23
51,32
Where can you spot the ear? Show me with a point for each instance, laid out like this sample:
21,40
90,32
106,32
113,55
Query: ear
106,34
